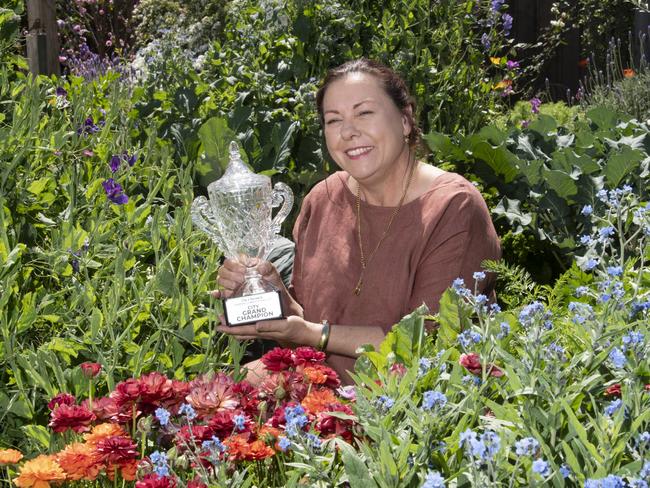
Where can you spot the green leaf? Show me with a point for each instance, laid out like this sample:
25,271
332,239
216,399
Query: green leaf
355,469
561,183
603,117
39,434
544,125
215,137
578,428
510,210
621,164
37,186
502,161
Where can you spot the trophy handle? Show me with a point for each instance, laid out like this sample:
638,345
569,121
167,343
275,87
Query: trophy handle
281,193
204,220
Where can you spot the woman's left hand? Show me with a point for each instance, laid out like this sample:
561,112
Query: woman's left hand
293,329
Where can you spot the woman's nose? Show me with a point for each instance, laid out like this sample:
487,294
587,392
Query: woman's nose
348,130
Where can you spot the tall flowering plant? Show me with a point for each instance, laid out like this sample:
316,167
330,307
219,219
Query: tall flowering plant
160,432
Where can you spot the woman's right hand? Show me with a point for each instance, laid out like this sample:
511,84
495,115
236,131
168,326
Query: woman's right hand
229,278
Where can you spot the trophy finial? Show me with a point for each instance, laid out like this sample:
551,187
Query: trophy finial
234,150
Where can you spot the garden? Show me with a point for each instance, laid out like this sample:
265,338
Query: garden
112,372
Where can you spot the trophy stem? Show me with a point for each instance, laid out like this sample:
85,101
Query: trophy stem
253,280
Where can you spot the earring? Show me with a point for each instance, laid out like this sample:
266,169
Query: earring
406,138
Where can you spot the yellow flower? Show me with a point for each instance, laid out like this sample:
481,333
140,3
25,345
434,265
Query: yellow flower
496,61
39,473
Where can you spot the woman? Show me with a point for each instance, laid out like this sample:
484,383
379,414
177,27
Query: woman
378,238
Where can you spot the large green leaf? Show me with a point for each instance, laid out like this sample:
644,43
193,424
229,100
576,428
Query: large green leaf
620,164
502,161
561,183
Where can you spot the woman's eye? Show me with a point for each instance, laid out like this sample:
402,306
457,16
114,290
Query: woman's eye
332,121
365,112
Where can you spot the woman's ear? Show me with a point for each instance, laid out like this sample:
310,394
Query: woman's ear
407,120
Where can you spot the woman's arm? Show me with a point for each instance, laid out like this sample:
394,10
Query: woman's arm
344,339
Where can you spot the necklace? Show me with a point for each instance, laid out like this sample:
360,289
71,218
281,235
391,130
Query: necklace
364,262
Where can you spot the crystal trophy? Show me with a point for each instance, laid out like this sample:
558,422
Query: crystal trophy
237,217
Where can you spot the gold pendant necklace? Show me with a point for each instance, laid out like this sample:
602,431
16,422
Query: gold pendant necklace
364,263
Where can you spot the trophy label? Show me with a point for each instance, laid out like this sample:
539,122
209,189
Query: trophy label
253,308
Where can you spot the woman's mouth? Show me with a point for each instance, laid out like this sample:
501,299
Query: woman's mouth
358,152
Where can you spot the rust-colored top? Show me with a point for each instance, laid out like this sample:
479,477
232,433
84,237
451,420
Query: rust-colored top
442,235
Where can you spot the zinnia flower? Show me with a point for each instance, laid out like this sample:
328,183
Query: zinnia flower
73,417
322,375
629,73
308,355
241,449
39,473
154,481
247,397
90,370
222,424
9,456
471,362
155,389
117,449
80,461
318,400
102,431
61,399
614,390
278,359
210,394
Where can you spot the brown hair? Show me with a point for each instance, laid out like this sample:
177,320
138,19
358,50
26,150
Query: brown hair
393,84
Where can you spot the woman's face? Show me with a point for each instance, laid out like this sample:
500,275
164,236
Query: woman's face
364,129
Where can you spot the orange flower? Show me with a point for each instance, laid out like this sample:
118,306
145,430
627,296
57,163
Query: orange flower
315,375
39,472
583,63
259,450
103,431
9,456
268,434
80,461
629,73
318,400
502,85
127,470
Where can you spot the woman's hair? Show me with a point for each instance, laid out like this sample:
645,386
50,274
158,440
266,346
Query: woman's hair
393,85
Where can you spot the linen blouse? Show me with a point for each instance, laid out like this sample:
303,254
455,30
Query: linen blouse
442,235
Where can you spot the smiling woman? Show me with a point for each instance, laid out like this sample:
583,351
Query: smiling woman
378,238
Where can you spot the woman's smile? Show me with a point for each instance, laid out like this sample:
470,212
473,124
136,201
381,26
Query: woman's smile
358,152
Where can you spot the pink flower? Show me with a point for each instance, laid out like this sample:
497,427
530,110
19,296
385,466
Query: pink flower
90,370
472,363
73,417
61,399
210,394
308,355
398,369
278,359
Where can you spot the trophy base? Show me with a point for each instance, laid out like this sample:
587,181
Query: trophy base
249,309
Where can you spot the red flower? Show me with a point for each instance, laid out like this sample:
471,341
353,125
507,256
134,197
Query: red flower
117,449
285,385
322,375
127,393
472,363
180,390
398,369
222,424
154,481
196,483
73,417
104,408
209,394
90,370
614,390
194,435
308,355
278,359
61,399
330,426
155,388
247,395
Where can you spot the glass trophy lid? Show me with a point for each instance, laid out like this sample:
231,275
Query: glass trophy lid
237,176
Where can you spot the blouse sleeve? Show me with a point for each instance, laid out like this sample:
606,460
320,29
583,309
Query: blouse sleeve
462,239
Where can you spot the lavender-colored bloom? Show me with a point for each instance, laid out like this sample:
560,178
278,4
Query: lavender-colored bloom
433,399
511,65
497,4
507,23
617,358
505,330
645,471
612,481
591,264
239,421
481,299
114,192
163,416
61,92
187,410
643,440
485,42
632,339
433,480
565,471
284,443
424,365
495,308
541,467
535,103
531,312
526,447
479,276
606,232
114,163
581,291
613,407
313,441
492,443
587,210
385,402
585,240
88,127
637,483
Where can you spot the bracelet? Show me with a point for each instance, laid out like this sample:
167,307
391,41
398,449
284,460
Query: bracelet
324,336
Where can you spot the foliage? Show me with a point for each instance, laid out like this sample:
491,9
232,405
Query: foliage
211,430
99,257
545,394
545,174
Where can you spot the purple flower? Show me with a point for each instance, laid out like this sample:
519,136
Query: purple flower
485,41
512,65
61,92
497,4
88,127
534,105
524,124
114,192
507,23
115,163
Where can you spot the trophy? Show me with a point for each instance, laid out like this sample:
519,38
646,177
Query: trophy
237,217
